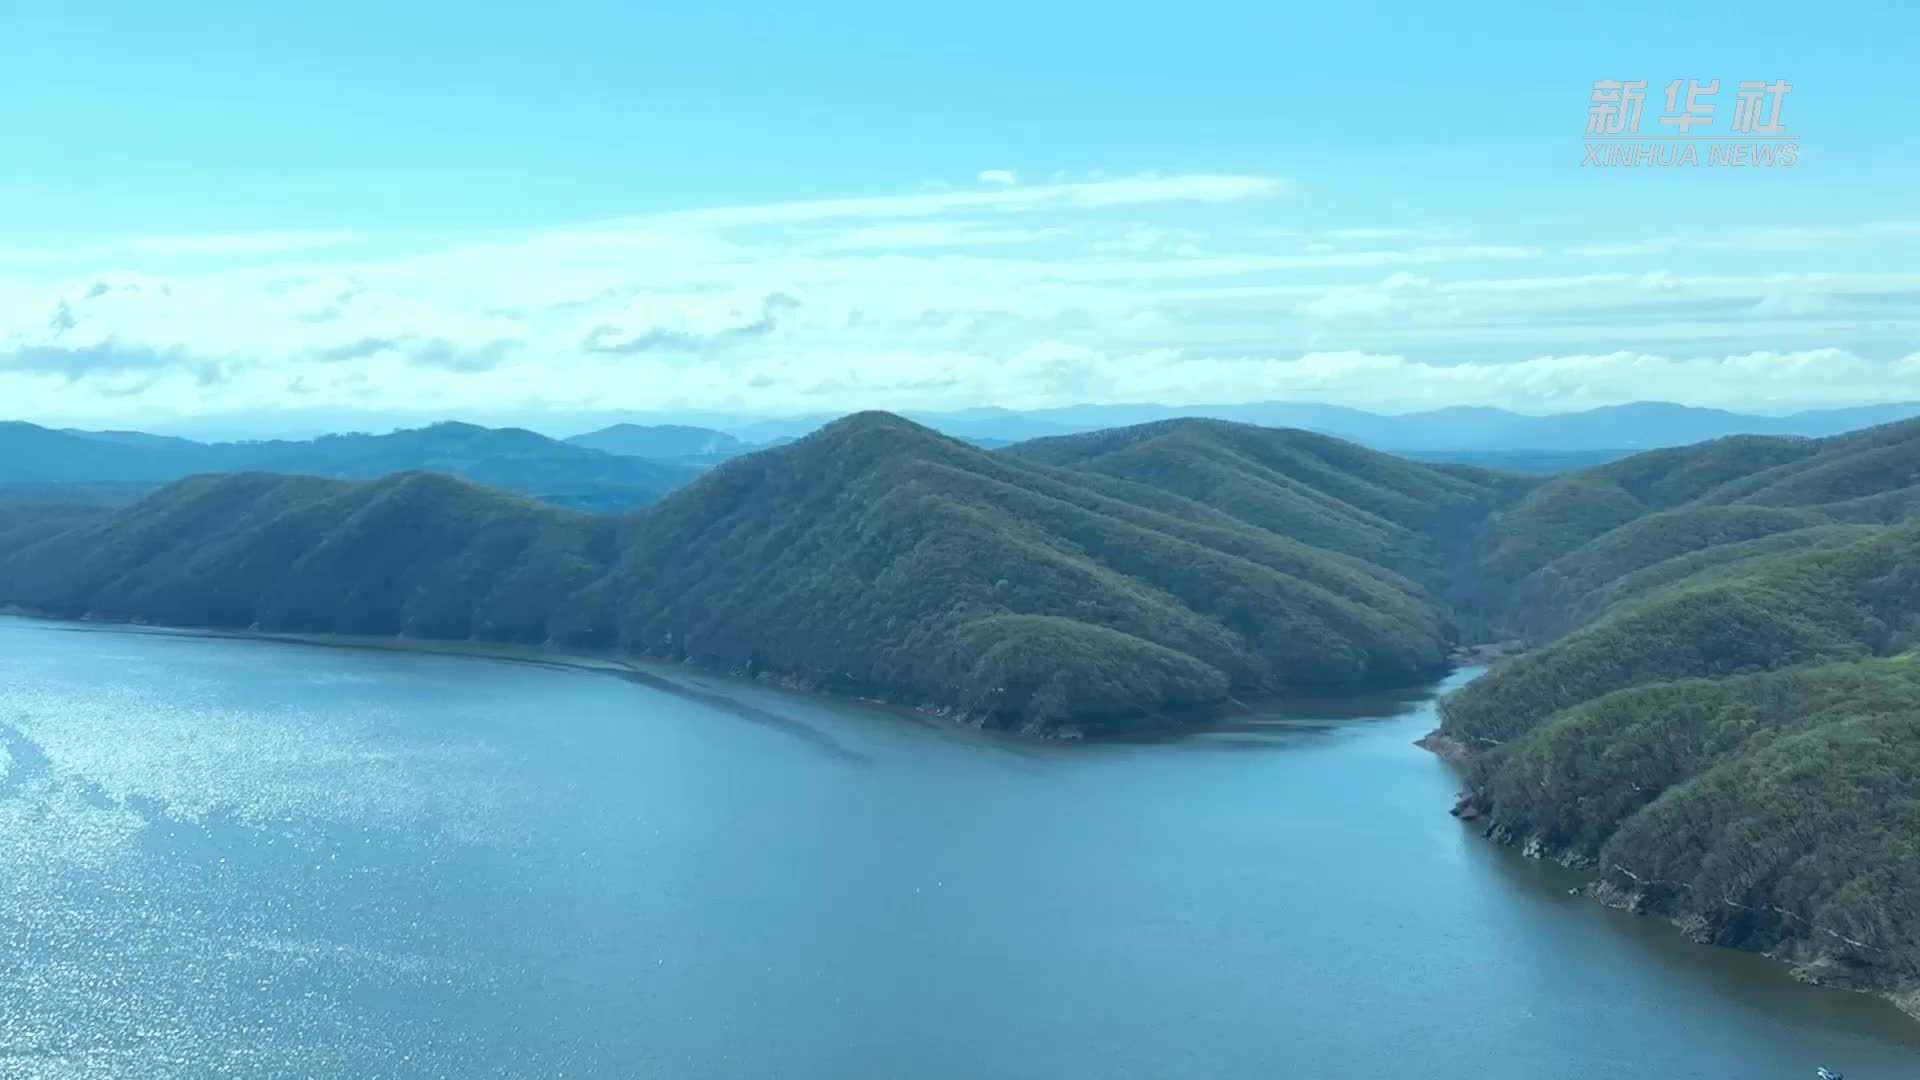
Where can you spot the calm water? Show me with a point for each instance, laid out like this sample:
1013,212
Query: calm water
226,858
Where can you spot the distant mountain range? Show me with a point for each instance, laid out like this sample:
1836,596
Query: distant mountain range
628,465
660,441
128,463
1614,429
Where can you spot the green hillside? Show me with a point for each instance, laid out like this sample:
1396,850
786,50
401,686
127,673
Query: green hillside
1775,811
417,554
1724,719
1415,518
1848,601
874,558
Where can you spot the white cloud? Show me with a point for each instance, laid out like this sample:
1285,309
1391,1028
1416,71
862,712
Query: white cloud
679,323
1084,195
1178,288
997,177
896,235
1795,238
1544,383
1393,295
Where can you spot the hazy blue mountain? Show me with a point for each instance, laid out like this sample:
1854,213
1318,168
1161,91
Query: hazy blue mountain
75,494
766,431
660,441
510,458
136,438
1819,423
1327,419
995,424
30,454
628,464
1536,462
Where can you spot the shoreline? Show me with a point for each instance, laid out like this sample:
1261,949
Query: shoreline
1806,971
672,676
1600,891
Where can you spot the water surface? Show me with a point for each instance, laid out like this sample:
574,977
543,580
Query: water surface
233,858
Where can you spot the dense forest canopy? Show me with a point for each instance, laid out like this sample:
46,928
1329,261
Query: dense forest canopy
874,557
1724,720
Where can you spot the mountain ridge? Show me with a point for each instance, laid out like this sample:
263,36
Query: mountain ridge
1618,428
510,458
874,557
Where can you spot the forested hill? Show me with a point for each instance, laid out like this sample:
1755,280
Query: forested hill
1316,489
1725,721
878,554
874,557
420,554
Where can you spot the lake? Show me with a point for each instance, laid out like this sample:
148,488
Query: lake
236,858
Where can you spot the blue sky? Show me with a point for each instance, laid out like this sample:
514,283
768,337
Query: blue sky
379,211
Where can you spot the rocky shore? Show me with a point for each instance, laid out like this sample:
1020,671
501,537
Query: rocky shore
1620,888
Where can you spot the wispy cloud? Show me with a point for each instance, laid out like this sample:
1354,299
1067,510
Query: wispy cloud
1777,238
1084,195
1180,287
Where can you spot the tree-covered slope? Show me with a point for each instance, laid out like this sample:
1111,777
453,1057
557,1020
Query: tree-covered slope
1260,471
1778,812
1413,517
874,557
418,554
877,556
29,522
1728,726
1851,601
1578,534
